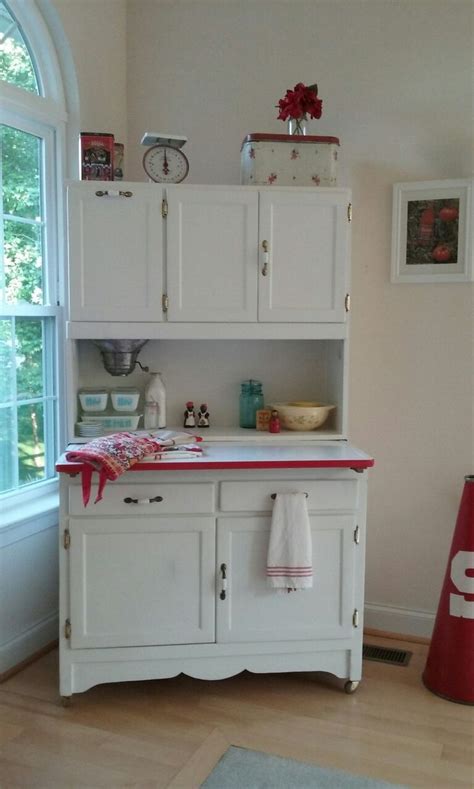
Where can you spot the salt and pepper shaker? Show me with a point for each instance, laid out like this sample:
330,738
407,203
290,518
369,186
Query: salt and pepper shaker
203,416
189,415
274,425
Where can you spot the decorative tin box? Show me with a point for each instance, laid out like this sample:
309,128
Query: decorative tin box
97,156
289,160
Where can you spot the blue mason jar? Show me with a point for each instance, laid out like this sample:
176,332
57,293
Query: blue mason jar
250,401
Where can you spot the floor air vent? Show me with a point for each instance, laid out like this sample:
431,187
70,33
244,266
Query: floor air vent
396,657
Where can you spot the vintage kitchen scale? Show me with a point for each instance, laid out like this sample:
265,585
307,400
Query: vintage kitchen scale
164,162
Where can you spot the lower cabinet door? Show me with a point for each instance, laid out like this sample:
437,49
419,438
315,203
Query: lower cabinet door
252,611
142,581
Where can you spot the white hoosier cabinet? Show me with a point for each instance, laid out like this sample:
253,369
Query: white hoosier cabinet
167,573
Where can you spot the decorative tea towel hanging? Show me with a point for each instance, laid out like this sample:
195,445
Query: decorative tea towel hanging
115,454
289,562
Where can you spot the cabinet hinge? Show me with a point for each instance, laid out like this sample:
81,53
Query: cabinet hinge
67,628
165,302
357,535
67,539
349,212
347,302
164,208
355,618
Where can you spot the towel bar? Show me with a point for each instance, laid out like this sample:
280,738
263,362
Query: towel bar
274,495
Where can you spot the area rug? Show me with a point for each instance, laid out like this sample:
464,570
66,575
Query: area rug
240,768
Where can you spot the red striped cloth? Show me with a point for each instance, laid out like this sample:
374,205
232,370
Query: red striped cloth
290,551
111,456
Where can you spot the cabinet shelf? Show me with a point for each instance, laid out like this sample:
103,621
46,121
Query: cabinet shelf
244,435
134,330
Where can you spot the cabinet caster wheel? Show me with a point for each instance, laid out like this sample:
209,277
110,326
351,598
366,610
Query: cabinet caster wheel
66,701
351,686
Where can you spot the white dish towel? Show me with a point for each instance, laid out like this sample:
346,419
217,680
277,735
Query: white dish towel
290,552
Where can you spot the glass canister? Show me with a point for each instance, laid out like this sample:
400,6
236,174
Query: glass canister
250,401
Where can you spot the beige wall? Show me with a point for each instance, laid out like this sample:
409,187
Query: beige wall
96,31
395,77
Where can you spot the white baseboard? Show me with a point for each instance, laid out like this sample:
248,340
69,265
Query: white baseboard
405,621
26,644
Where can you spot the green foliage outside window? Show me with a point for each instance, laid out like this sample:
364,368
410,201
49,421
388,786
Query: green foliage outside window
15,61
22,363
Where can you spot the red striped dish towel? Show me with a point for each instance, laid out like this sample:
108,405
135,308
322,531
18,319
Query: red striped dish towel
290,551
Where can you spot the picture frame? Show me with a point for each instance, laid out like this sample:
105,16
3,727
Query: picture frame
432,231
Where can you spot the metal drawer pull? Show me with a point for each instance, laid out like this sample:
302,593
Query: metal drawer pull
266,258
274,495
113,193
129,500
223,581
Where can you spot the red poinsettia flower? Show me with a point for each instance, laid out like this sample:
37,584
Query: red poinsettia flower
300,102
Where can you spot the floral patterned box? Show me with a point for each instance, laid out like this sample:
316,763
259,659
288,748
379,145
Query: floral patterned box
289,160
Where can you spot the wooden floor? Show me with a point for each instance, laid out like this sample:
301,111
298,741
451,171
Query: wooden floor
170,733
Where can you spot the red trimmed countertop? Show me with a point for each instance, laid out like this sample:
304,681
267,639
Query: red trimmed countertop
236,455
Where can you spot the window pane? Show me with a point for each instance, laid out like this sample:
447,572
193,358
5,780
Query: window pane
7,368
21,168
23,263
29,359
16,65
7,449
31,456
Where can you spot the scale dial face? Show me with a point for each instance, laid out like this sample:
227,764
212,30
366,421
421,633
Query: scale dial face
165,164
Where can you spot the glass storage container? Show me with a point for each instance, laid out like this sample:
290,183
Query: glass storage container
250,401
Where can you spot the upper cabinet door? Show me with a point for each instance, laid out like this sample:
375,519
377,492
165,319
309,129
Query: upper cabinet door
212,254
115,251
306,235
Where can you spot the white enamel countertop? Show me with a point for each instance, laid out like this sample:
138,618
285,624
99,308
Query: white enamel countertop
304,454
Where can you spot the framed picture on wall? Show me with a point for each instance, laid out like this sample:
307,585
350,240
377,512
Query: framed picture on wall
432,231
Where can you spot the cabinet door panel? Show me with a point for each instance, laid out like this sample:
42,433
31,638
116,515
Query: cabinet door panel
212,255
141,581
307,236
252,611
115,253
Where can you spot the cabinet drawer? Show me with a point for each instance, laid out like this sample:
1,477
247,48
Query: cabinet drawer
175,498
323,495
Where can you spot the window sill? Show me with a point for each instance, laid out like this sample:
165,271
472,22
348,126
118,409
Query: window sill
24,518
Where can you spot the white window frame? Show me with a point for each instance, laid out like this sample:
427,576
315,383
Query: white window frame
45,116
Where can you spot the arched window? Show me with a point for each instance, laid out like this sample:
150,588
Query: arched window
32,135
16,64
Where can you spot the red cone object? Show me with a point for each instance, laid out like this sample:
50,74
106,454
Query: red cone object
449,670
